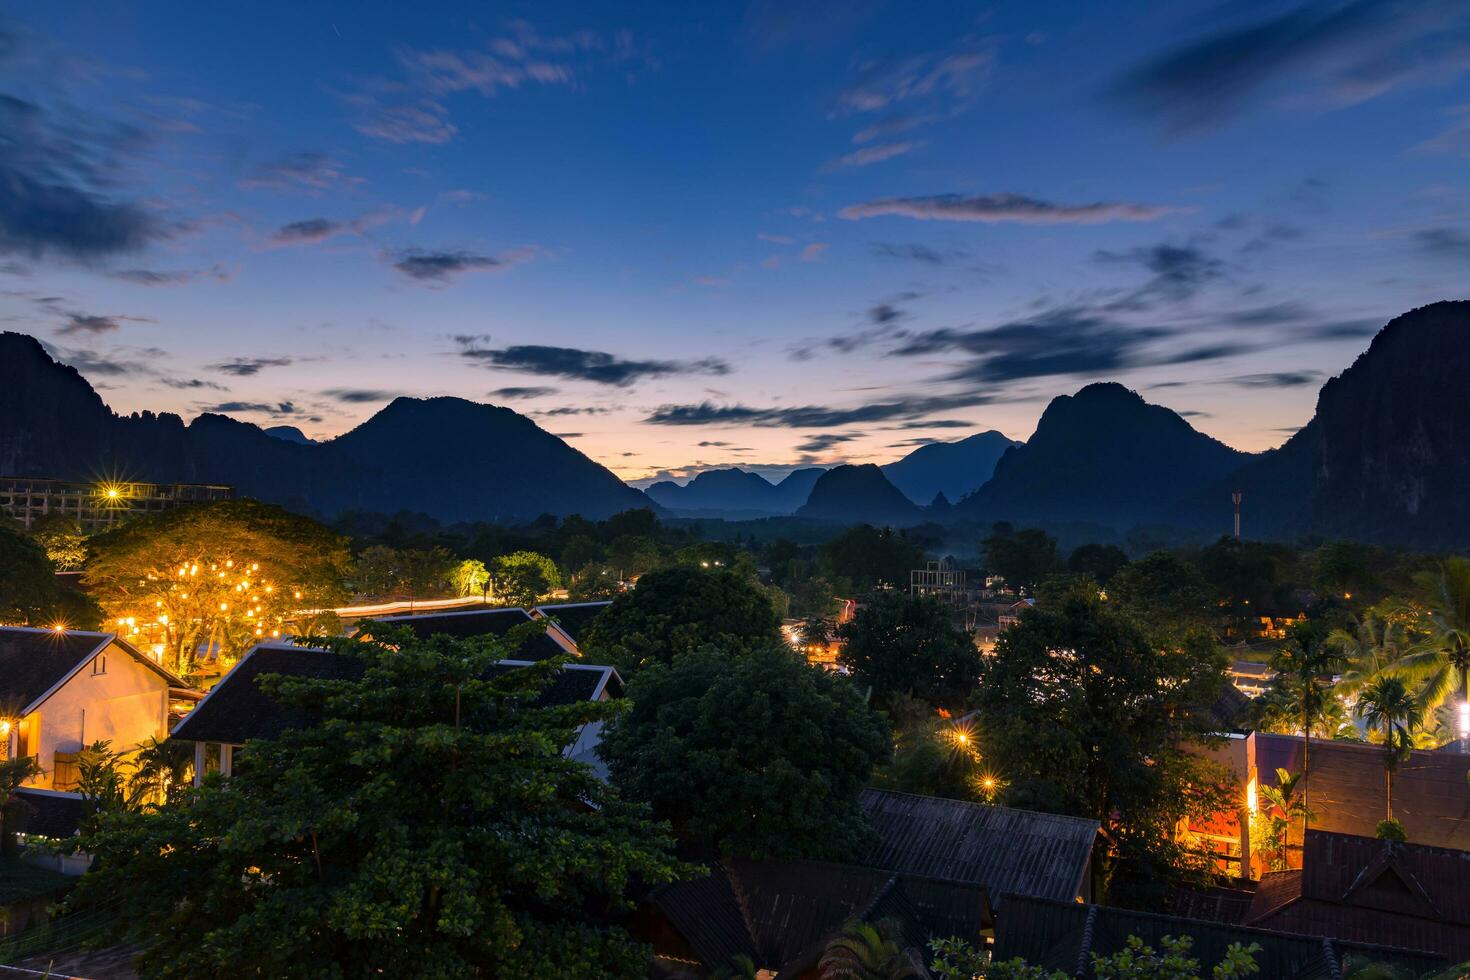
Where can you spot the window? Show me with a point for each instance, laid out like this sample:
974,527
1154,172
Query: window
99,665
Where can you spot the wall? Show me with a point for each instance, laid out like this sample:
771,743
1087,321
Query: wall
126,706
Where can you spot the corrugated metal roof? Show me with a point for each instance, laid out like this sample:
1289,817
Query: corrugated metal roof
1008,851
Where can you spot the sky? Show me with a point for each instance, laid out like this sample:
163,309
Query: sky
685,236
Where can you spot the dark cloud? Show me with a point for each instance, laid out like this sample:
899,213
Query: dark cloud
90,323
885,313
813,416
1275,379
310,172
995,208
568,435
1179,271
513,393
1341,52
188,384
360,396
310,231
58,185
821,442
1294,321
582,365
937,424
572,410
1445,243
440,267
92,363
171,277
917,252
277,409
244,367
913,443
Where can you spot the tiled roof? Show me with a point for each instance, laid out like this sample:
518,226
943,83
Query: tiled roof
479,622
1045,855
573,617
33,661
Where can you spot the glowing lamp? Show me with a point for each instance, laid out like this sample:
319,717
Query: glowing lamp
4,728
112,493
59,628
1465,719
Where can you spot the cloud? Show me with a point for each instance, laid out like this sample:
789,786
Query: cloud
917,252
92,363
94,324
813,252
1179,271
937,424
949,78
572,410
821,442
277,410
245,367
360,396
187,384
766,236
432,267
310,231
309,172
1444,243
1323,52
521,392
425,122
813,416
171,277
995,208
891,126
582,365
1275,379
869,155
58,180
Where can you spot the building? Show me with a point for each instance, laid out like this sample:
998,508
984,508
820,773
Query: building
537,645
1250,677
236,710
101,505
570,619
1066,935
1003,850
62,690
782,914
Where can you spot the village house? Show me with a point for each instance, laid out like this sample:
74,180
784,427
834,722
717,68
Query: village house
539,645
570,620
62,690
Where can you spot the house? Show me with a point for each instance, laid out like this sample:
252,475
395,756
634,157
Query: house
570,619
1003,850
237,710
484,622
53,817
1065,936
1371,891
61,690
1012,614
782,914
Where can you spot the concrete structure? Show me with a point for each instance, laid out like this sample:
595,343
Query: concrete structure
98,506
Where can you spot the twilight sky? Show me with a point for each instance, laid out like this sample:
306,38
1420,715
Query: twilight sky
685,235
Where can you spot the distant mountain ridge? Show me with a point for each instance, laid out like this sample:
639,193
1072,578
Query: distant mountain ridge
859,495
950,468
449,458
736,492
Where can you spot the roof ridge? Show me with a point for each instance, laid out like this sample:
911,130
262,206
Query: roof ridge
742,902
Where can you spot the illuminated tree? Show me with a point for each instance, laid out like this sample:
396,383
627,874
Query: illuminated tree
218,577
471,577
1443,658
30,593
63,540
425,823
523,578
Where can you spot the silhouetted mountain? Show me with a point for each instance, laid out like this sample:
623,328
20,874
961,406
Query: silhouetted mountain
857,495
446,457
1103,455
1386,457
796,489
735,493
951,468
289,433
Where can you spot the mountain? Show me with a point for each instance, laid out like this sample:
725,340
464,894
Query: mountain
1105,456
289,433
859,495
1386,456
446,457
951,468
736,493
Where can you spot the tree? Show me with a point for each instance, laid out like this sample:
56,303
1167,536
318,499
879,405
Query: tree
162,772
815,631
1442,659
1080,713
676,610
14,773
470,577
1303,664
633,556
1284,805
864,557
870,951
1372,649
1023,558
426,823
903,644
956,959
523,578
1162,592
30,594
63,540
1101,561
1387,705
759,755
221,576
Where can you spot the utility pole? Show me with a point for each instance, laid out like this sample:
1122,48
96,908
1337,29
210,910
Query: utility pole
1236,497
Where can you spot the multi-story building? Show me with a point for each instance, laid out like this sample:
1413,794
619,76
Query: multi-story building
98,506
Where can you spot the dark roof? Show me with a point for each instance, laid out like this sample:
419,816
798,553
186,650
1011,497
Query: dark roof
49,813
782,913
477,622
236,710
1370,890
1005,850
1430,795
572,618
33,661
1228,710
1065,935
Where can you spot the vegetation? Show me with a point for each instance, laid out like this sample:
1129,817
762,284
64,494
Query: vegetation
1023,558
30,594
956,959
453,839
902,644
523,578
1304,666
871,952
754,755
1388,706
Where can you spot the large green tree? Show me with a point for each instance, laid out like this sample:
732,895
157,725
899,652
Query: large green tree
1163,592
679,609
759,755
903,644
1023,558
30,593
523,578
223,574
1081,713
426,824
863,557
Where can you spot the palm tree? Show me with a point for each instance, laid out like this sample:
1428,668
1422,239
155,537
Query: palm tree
1388,705
870,952
740,967
162,773
1301,664
1285,805
1443,658
1374,647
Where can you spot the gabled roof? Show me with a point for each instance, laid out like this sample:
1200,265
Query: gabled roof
1065,935
782,913
236,710
477,622
1045,855
35,662
572,618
